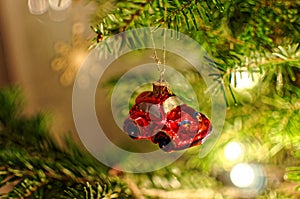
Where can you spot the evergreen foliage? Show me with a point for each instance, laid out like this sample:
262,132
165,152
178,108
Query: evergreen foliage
34,166
255,36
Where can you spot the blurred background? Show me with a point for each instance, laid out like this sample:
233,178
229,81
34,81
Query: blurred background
42,45
32,36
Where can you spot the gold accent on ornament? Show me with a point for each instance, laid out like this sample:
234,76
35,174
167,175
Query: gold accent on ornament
161,89
171,103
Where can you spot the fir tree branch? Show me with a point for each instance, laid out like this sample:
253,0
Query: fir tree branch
33,163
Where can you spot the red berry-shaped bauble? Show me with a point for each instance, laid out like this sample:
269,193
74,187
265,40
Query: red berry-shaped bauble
160,116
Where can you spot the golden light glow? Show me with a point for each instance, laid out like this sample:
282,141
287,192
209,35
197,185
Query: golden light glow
233,151
250,177
242,175
244,79
70,57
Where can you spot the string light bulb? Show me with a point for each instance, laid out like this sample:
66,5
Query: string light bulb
233,151
242,175
38,7
242,78
248,176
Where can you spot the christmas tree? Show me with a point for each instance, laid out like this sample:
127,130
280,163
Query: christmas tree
257,152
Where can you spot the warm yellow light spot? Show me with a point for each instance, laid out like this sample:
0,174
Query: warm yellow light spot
233,151
242,175
244,79
71,56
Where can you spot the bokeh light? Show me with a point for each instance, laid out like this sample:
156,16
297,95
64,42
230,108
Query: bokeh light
248,176
59,9
233,151
242,175
38,7
244,79
70,55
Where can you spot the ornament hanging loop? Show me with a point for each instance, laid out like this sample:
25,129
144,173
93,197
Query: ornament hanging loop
161,66
162,72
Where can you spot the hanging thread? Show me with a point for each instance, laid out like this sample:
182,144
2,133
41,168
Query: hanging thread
160,66
164,46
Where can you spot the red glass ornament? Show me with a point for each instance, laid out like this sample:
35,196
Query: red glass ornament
161,117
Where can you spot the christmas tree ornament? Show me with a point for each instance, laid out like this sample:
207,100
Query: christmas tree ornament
163,118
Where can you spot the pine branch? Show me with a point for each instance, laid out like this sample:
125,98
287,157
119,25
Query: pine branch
276,70
102,8
229,30
240,36
109,189
237,25
151,13
32,162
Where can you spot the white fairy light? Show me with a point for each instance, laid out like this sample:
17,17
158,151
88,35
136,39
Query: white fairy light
38,7
250,177
59,9
242,175
233,151
244,79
